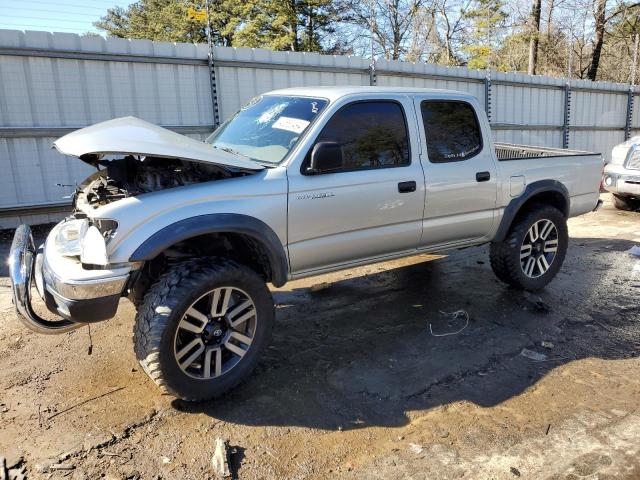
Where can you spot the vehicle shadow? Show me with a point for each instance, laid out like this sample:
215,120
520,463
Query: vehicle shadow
363,351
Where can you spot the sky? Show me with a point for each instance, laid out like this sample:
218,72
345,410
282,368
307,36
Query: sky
74,16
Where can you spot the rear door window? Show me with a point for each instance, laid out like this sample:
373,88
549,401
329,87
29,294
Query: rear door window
452,131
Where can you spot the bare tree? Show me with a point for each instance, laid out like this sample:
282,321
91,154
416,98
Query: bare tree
389,22
452,16
600,24
602,19
535,35
618,58
423,43
576,38
550,8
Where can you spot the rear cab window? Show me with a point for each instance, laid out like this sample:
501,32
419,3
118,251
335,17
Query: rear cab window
452,131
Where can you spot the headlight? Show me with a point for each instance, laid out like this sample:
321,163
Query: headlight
93,249
633,158
609,180
67,239
76,238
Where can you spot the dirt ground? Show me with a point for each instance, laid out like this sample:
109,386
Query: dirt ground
357,384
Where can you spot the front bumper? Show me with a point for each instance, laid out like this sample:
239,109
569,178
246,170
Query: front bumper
76,300
622,181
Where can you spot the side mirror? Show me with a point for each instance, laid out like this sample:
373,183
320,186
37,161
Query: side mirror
325,156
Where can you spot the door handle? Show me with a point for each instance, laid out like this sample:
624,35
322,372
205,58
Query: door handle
483,176
406,187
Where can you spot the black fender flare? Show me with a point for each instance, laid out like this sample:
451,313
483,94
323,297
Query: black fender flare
534,188
219,223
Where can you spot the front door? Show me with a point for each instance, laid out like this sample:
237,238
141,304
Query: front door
369,205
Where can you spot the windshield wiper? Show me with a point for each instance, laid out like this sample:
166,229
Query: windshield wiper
230,150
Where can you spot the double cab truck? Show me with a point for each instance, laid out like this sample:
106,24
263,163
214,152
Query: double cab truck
297,183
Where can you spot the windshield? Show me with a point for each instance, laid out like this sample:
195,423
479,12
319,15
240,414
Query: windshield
268,127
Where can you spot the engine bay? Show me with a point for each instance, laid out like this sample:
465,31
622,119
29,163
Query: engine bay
132,176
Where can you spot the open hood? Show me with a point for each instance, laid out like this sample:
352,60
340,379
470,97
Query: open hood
132,136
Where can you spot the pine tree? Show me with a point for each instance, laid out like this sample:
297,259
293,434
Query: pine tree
292,25
487,18
167,20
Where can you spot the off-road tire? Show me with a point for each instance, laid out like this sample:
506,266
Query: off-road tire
626,203
505,255
164,306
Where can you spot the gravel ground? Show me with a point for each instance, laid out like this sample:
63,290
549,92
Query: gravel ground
356,384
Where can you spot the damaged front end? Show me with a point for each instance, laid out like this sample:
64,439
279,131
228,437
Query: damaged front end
69,291
131,176
71,270
134,157
22,264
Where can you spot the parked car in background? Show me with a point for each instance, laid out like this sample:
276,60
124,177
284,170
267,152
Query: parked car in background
622,175
298,183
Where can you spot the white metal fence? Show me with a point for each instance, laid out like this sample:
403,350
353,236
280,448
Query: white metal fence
51,84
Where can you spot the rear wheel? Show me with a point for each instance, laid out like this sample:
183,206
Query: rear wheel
534,249
626,203
202,326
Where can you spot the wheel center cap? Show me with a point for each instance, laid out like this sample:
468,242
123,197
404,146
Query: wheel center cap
213,332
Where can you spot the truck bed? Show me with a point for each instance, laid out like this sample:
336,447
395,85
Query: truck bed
579,172
512,151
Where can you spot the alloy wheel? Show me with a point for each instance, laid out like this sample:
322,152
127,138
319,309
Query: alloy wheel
539,248
215,333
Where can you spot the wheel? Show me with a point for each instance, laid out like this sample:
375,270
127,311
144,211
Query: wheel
626,203
534,249
202,327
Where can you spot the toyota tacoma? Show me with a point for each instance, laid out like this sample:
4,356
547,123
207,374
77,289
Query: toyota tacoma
297,183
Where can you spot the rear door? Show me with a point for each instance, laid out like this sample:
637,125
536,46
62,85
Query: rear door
460,172
370,206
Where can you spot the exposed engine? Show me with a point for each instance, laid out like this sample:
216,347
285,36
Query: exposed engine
129,176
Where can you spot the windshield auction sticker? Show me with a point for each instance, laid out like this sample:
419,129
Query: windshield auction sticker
290,124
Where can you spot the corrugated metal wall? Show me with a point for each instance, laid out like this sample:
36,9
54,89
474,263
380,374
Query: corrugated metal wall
51,84
243,73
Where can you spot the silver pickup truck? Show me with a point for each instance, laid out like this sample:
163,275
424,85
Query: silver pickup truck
299,182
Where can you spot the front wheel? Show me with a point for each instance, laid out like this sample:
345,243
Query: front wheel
202,327
534,249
